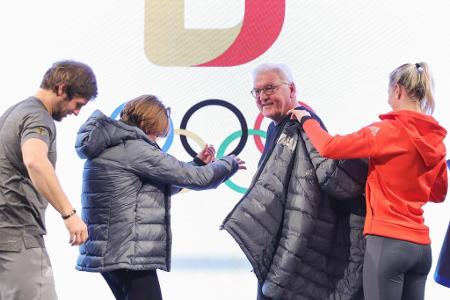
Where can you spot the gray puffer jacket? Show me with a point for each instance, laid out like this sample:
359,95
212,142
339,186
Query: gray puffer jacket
127,184
300,224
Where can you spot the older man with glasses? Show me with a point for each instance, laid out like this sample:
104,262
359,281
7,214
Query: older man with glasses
293,223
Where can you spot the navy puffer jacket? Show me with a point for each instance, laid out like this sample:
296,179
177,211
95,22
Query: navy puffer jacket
127,184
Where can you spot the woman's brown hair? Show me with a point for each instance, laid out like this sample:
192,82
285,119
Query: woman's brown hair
148,113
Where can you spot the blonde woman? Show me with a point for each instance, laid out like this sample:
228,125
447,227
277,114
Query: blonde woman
406,170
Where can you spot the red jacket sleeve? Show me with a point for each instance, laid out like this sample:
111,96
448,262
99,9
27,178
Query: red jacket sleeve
355,145
439,189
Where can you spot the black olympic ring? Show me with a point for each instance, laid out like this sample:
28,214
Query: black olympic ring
223,103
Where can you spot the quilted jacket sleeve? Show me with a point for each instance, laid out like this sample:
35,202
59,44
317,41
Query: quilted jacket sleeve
340,178
174,189
149,162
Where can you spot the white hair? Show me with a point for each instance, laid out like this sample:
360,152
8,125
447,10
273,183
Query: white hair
281,69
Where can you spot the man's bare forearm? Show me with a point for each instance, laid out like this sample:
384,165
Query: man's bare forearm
43,175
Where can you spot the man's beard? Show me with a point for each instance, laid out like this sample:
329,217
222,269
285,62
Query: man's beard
58,111
57,116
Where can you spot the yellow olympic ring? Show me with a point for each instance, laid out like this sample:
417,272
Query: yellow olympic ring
196,139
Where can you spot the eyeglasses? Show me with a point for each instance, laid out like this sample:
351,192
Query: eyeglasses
268,90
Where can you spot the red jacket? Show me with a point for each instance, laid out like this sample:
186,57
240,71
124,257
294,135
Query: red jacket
406,169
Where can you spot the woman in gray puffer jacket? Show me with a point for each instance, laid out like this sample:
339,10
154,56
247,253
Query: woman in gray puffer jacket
127,184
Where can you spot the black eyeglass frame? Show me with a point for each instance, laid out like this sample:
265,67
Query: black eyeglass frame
268,89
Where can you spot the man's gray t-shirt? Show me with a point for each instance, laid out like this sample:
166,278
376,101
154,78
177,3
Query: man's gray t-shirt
22,208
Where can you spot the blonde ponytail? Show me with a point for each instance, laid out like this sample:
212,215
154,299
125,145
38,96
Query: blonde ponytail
418,83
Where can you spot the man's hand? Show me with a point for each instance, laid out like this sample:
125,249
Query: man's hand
77,230
208,154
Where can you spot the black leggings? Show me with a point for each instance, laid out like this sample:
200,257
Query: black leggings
133,285
395,269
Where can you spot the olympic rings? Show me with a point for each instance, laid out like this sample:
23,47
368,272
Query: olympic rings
234,109
241,134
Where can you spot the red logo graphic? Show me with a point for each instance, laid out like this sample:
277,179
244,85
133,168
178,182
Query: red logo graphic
168,43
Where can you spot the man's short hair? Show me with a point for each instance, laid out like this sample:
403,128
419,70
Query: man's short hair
78,77
281,69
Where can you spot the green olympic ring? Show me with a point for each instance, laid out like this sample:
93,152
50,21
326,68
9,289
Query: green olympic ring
220,153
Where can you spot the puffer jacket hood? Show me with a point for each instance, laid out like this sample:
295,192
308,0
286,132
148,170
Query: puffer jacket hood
100,132
424,132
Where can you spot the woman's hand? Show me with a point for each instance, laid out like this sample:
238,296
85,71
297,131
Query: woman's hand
298,114
240,162
208,154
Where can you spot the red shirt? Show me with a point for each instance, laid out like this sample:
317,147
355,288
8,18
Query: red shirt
406,169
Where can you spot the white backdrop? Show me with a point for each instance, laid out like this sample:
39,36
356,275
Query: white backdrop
341,53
